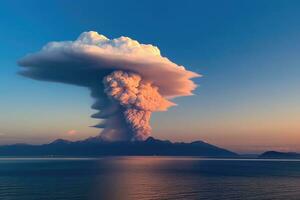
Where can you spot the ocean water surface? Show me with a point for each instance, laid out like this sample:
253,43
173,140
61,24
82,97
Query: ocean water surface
148,178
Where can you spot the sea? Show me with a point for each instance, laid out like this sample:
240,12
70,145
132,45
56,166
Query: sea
148,178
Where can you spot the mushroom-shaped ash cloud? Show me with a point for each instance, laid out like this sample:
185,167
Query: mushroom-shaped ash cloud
128,80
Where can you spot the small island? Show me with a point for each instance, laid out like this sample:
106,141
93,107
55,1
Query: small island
279,155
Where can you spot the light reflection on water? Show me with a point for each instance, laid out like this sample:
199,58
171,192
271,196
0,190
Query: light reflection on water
145,178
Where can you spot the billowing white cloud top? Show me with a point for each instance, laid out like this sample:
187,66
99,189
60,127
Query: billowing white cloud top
94,53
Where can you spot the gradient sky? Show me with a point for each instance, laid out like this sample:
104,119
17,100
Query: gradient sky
248,52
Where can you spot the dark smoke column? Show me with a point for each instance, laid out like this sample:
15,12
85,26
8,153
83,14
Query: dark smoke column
139,98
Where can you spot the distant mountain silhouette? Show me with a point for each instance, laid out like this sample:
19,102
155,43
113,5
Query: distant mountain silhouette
95,146
280,155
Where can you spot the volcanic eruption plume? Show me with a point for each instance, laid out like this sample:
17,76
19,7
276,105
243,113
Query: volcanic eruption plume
128,80
138,97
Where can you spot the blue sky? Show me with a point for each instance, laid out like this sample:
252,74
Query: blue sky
247,52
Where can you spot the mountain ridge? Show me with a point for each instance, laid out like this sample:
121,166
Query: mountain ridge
95,146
